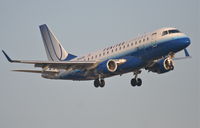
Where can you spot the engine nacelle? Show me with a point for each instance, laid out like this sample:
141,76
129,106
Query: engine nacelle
162,66
109,65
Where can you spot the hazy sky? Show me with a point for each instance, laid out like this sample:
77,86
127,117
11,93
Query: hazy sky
169,100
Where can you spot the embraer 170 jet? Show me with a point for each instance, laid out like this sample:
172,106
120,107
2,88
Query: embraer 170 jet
153,51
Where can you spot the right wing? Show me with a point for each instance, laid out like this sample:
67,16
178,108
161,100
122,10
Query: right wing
82,65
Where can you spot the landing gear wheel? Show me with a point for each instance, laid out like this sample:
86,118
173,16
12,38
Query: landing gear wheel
99,83
133,82
139,82
136,82
96,83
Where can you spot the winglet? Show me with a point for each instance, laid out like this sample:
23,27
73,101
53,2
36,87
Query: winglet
186,53
7,57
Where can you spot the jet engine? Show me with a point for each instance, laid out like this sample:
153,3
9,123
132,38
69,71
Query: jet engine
162,66
110,65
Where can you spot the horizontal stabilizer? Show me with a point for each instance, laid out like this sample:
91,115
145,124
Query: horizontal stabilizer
36,71
30,71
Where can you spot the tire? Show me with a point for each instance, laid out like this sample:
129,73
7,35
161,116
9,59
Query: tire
139,82
101,83
133,82
96,83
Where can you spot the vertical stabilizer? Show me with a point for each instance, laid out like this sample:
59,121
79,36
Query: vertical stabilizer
54,49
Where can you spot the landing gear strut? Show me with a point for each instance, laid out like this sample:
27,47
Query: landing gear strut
99,83
136,81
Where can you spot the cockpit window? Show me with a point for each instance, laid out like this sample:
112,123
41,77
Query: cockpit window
170,32
174,31
164,33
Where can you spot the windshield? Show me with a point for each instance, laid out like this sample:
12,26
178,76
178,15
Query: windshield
174,31
170,32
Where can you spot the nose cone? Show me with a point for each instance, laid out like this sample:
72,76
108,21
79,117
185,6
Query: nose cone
186,42
182,43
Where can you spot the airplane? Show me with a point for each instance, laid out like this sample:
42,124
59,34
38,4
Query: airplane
154,51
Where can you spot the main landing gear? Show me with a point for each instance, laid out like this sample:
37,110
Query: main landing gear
99,83
136,81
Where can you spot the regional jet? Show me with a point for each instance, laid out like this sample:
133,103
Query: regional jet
153,52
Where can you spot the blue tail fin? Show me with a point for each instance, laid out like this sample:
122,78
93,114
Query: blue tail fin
54,49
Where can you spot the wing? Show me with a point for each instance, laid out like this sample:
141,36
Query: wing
152,63
56,64
187,55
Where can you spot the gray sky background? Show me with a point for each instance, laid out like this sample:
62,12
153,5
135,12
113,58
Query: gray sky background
163,101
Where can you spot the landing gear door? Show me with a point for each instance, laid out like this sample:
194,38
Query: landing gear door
153,39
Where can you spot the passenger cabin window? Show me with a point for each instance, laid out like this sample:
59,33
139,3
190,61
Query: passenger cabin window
164,33
154,34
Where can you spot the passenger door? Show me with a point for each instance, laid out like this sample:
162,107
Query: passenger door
153,40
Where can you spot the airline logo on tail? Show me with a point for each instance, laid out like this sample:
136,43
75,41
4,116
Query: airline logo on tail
54,49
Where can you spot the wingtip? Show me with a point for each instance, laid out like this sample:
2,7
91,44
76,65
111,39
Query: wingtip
7,57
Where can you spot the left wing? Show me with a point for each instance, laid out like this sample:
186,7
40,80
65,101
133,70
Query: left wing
56,64
170,56
187,55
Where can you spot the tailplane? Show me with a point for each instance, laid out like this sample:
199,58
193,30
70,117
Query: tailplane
54,49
